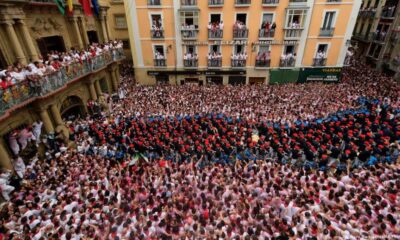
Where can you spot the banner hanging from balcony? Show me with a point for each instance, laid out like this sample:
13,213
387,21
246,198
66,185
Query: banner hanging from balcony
60,5
96,7
87,9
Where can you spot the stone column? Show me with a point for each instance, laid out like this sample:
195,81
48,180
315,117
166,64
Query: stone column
114,80
84,30
92,91
5,159
98,88
48,125
29,42
103,28
77,32
14,42
56,115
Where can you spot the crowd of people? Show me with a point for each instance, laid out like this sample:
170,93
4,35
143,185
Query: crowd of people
310,161
288,59
267,29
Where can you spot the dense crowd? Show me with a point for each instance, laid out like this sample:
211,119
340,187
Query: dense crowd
311,161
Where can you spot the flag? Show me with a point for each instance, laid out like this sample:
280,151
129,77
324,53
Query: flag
60,5
96,7
86,7
70,6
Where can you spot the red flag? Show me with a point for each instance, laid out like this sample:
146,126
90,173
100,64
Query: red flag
86,7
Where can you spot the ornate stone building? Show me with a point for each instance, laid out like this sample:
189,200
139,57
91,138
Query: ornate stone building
32,28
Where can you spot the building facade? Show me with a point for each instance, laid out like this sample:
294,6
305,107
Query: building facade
239,41
376,35
31,28
117,24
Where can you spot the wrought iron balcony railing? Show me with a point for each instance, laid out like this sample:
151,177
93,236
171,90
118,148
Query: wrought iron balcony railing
215,3
160,63
263,63
236,63
242,2
189,33
287,62
214,63
318,62
326,32
293,33
270,2
157,34
266,33
189,3
215,34
29,90
190,63
240,33
154,2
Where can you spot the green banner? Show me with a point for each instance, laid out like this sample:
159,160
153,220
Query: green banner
319,75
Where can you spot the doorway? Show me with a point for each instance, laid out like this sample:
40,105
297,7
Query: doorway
237,80
215,80
92,36
52,43
256,80
72,108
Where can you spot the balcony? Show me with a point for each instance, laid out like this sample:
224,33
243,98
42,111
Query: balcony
326,32
379,37
242,3
367,13
188,3
28,91
362,37
266,33
319,62
333,1
297,1
189,34
215,34
160,62
388,12
240,33
154,2
293,33
270,3
157,34
215,3
214,63
236,63
265,63
190,63
287,62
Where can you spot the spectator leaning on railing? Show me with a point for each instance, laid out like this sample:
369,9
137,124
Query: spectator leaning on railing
239,59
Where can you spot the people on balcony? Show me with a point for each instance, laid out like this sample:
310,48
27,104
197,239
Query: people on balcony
380,35
215,29
267,29
190,59
288,59
159,59
320,58
214,59
388,11
19,81
349,56
188,31
239,59
157,29
263,58
239,29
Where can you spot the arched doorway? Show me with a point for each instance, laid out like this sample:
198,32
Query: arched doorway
72,108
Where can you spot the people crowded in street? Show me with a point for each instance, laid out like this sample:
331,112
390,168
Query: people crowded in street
294,161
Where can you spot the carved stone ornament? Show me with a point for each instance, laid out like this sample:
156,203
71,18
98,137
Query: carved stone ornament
42,25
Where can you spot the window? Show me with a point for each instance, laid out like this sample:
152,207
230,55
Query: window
127,44
322,48
215,48
267,18
159,49
190,18
215,18
329,20
239,49
289,49
120,21
264,49
191,49
156,21
295,18
241,17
